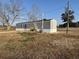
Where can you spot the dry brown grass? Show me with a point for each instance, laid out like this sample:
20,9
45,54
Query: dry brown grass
39,45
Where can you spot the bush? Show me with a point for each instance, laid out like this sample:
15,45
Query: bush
32,29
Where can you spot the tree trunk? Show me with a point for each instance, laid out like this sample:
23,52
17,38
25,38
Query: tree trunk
67,27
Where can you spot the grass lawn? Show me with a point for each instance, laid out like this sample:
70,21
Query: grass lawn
39,45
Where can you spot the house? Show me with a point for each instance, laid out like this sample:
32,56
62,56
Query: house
49,26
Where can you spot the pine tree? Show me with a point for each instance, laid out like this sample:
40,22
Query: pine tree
68,16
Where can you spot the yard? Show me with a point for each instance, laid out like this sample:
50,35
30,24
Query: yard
15,45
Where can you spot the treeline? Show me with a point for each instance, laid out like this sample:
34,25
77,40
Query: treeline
72,24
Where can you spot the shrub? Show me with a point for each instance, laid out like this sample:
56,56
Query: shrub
33,29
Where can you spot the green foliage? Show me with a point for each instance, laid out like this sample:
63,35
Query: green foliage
68,15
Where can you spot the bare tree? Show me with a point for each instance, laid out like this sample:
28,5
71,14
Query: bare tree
33,15
9,12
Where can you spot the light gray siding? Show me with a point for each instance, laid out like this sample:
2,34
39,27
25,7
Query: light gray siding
26,25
